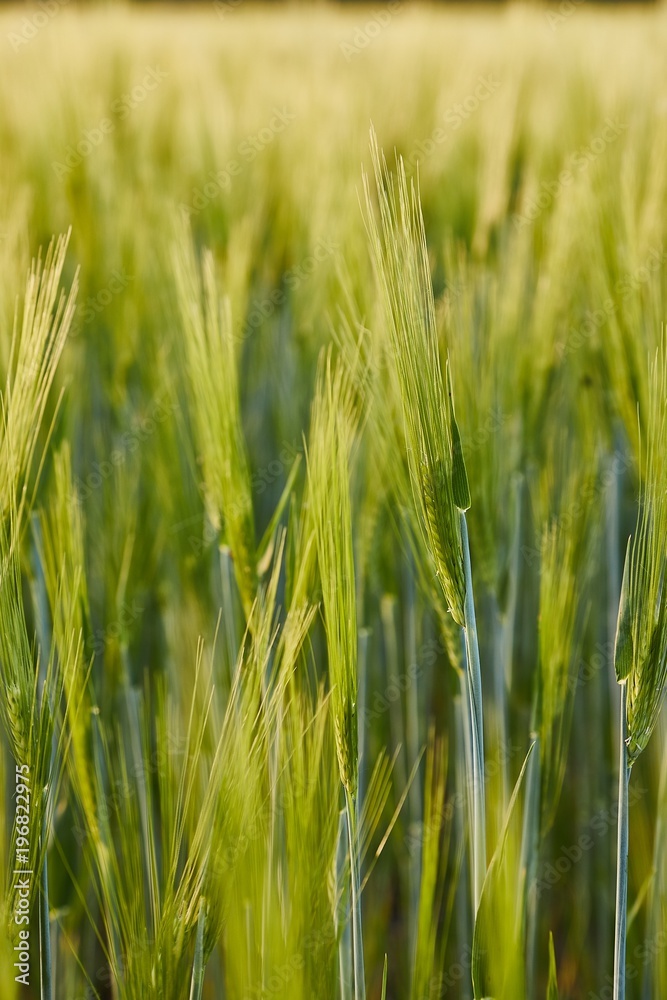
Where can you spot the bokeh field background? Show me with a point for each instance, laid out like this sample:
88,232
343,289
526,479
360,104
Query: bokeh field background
176,668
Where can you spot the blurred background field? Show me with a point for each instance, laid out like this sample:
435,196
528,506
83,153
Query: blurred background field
539,138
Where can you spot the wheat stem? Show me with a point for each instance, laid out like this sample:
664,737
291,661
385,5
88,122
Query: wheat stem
355,884
622,856
477,723
657,889
342,914
44,919
462,900
412,740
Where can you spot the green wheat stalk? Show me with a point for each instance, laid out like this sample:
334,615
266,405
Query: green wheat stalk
33,695
438,476
332,434
640,655
213,392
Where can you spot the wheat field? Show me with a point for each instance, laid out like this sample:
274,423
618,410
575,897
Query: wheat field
333,628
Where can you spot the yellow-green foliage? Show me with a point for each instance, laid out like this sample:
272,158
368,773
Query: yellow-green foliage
400,255
194,638
332,431
641,643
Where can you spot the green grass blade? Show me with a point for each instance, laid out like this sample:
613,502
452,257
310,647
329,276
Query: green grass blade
552,986
497,960
198,967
